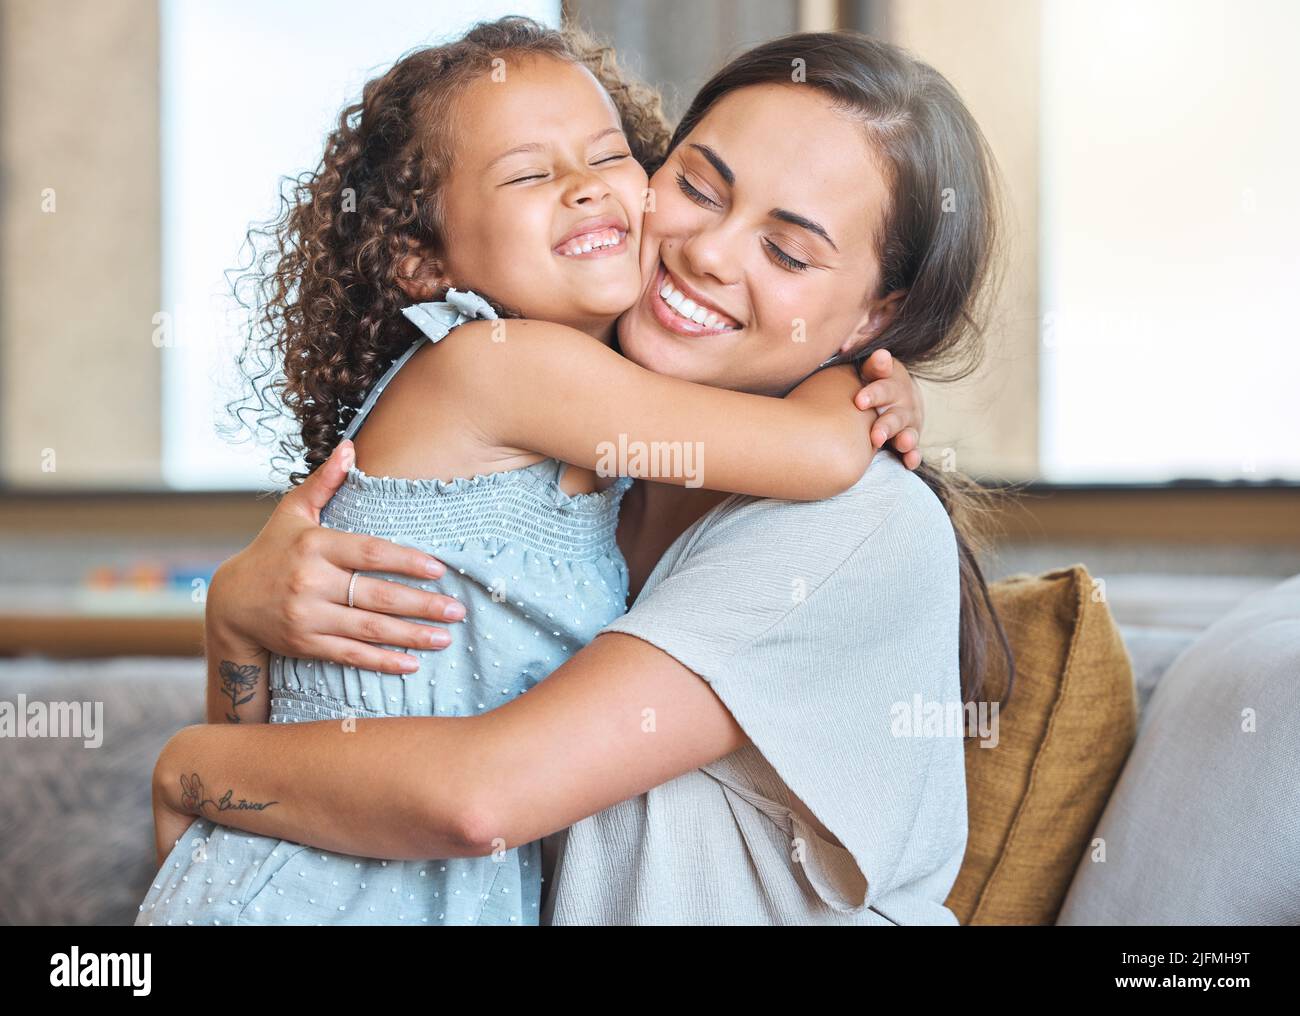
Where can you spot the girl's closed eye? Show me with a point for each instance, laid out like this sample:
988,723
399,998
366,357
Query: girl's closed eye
603,160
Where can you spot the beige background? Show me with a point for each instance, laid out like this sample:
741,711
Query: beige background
80,285
989,51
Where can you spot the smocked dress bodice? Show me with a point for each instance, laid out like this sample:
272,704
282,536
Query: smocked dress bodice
538,571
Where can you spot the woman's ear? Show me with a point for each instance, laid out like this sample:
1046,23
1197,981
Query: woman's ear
876,317
419,273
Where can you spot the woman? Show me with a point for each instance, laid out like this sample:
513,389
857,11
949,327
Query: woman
775,790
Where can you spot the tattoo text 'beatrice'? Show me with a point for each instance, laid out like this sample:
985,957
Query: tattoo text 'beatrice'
193,799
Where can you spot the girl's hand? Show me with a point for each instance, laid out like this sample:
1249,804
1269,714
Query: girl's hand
892,392
287,591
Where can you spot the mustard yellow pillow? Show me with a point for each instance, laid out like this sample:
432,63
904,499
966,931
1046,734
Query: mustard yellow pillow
1035,798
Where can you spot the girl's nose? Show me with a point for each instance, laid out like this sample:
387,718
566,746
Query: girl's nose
586,186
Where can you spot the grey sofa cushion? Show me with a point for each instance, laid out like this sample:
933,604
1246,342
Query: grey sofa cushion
1204,824
1152,651
76,822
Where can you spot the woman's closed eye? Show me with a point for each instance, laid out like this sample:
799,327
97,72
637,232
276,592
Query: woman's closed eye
778,255
699,197
784,259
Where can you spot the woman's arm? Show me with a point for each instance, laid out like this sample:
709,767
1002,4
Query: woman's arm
549,388
238,688
617,719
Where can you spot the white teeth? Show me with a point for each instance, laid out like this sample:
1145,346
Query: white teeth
689,309
608,238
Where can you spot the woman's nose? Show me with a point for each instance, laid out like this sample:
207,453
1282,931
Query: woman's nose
708,253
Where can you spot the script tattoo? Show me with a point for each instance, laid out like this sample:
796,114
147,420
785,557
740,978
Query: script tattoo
236,679
192,799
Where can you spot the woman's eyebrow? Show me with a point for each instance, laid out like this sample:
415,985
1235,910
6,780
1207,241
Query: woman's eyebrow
793,218
537,146
715,160
798,220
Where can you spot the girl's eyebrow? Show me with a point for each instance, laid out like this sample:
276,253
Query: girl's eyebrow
537,146
795,219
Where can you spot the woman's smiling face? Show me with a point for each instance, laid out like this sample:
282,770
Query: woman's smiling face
765,218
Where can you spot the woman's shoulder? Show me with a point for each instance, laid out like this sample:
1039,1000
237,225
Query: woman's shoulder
887,498
913,507
888,530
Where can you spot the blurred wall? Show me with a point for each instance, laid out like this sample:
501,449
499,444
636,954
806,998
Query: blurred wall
79,243
990,52
677,44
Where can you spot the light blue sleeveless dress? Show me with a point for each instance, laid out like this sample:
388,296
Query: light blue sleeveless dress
539,574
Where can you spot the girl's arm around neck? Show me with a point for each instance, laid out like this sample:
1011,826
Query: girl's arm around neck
550,389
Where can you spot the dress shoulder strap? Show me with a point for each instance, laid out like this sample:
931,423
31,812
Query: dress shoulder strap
435,319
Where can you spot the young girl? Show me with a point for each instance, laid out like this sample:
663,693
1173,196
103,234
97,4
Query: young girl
495,164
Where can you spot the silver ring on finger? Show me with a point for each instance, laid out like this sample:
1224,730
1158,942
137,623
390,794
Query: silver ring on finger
352,589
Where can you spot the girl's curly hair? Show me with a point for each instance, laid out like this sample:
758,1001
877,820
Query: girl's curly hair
321,285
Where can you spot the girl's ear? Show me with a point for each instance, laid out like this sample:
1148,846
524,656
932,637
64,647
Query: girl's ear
420,274
875,319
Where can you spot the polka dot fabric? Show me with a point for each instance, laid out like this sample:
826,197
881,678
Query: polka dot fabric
534,594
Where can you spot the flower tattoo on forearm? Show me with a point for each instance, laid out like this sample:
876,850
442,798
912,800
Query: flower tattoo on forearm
236,679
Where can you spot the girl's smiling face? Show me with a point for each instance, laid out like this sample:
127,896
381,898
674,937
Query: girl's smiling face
542,206
765,218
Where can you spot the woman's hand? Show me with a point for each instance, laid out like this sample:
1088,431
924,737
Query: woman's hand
287,591
892,392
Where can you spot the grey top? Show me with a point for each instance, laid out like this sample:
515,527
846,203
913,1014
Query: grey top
823,626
